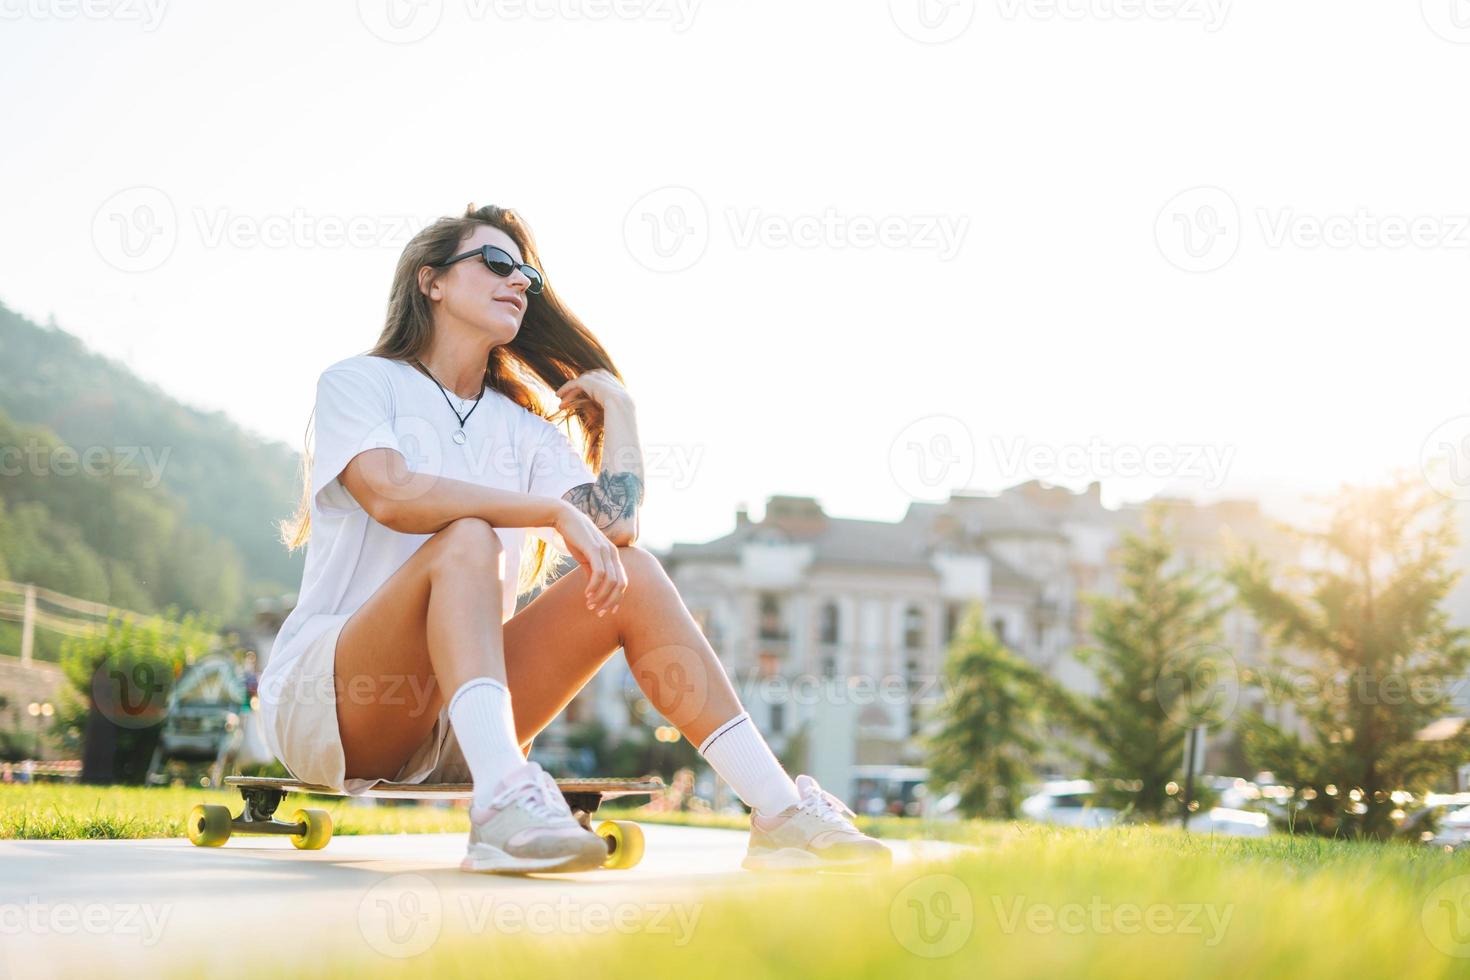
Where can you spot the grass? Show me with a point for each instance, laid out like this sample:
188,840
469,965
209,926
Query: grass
57,811
1031,902
60,811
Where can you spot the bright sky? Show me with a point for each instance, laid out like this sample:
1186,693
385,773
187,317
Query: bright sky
865,252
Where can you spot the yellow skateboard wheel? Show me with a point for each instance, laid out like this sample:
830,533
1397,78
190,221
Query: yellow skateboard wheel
318,829
208,825
624,843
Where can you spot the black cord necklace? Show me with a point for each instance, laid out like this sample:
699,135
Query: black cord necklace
458,435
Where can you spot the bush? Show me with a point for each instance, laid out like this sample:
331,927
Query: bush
119,681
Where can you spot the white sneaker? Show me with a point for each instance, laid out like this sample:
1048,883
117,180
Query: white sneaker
814,834
528,827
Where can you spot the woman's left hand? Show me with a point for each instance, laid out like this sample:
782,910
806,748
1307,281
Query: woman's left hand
598,386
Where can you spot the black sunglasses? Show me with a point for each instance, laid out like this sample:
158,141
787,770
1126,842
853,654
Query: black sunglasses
500,262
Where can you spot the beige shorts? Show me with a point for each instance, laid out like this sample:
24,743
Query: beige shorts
304,723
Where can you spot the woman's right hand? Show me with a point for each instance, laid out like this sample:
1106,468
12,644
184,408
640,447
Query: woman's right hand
607,580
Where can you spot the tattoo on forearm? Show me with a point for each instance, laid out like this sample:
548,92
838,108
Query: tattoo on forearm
614,497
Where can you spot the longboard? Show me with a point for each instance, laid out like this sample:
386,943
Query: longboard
211,825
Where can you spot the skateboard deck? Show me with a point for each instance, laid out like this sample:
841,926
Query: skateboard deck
211,825
604,789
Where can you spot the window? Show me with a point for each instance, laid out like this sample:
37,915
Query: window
778,719
830,623
772,618
914,684
913,628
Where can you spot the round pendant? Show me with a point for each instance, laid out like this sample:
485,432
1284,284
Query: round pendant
458,436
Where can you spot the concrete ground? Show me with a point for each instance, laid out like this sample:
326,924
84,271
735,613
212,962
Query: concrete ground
70,908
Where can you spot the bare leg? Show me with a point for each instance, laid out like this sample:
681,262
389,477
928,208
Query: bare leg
435,624
555,645
432,626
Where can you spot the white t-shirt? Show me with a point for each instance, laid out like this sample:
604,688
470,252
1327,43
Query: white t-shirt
366,402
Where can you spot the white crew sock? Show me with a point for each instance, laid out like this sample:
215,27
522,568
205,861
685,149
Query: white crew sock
736,751
486,729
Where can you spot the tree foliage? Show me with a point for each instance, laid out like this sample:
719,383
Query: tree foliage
1156,656
190,500
1364,655
105,535
992,730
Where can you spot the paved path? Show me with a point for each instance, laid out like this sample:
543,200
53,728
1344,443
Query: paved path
116,908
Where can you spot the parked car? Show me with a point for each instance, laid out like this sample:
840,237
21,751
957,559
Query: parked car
1069,803
1230,822
1440,824
1076,803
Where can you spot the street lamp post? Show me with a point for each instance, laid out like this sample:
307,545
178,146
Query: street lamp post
39,710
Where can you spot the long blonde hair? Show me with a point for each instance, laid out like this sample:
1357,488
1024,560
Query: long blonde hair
551,348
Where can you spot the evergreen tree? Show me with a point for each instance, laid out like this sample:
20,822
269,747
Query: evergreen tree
1159,664
992,729
1366,657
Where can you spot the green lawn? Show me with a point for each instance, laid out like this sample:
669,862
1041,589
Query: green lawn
1030,901
59,811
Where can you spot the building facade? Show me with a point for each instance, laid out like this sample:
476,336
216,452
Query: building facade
835,630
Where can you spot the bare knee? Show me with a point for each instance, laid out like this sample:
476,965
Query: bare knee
468,543
642,566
